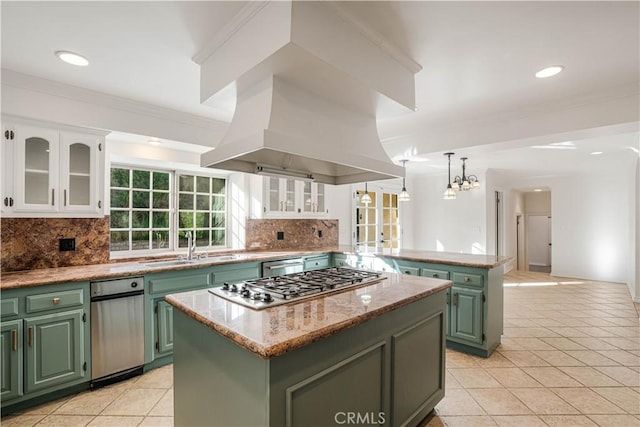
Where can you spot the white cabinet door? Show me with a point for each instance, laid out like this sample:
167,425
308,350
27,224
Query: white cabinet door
6,162
80,173
280,196
313,199
36,169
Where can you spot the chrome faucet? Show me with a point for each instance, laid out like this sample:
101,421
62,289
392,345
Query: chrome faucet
191,245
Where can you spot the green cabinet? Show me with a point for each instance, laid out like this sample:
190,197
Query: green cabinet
55,349
474,304
164,318
11,360
45,342
158,325
466,314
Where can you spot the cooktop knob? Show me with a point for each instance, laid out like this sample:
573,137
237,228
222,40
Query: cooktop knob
225,286
245,293
256,296
267,297
234,288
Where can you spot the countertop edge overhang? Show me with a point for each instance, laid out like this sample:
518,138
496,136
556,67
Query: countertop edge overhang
403,291
50,276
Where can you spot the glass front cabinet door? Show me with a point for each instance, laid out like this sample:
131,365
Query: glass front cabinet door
36,168
54,172
80,172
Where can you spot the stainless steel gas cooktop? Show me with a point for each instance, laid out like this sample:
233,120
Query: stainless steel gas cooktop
270,291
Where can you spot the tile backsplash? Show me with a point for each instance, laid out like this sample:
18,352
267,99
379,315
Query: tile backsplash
264,234
32,243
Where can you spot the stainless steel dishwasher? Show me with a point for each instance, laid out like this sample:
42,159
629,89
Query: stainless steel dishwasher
285,266
117,330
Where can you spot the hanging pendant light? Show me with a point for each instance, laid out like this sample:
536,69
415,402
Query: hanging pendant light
404,194
449,194
465,182
366,198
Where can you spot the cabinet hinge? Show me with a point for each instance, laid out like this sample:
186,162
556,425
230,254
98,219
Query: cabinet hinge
483,338
484,299
100,147
84,366
157,346
264,209
84,317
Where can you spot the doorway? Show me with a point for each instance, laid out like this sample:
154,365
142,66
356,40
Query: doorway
539,243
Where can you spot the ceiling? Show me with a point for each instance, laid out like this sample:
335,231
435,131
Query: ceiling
476,93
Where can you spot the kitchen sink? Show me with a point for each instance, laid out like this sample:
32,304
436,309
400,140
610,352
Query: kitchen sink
220,258
177,262
170,263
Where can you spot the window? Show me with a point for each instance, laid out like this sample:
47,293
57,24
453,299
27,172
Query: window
378,218
202,210
142,206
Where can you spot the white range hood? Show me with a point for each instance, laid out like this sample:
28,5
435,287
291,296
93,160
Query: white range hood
309,80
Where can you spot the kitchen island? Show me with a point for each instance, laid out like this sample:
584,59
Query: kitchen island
373,353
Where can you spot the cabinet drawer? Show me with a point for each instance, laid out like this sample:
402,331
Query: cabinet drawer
467,279
179,281
315,263
9,307
411,271
436,274
237,275
54,300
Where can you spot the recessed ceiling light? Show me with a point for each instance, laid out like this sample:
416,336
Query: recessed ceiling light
549,71
72,58
537,190
154,141
595,153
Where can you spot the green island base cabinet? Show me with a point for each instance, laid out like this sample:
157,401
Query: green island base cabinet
159,335
474,303
45,343
387,371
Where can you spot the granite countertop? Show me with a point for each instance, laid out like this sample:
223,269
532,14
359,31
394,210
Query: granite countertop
48,276
277,330
449,258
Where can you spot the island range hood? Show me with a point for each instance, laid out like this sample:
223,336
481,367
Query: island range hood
308,81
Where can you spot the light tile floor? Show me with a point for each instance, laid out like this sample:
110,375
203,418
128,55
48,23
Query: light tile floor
570,356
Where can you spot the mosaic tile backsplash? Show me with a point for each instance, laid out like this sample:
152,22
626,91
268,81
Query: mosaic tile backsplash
32,243
262,234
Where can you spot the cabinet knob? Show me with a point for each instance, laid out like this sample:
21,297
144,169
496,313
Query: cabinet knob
436,275
6,201
467,279
56,301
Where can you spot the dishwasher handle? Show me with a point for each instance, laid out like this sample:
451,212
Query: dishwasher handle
291,264
116,296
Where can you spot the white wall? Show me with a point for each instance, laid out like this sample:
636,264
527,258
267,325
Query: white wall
447,225
590,228
537,202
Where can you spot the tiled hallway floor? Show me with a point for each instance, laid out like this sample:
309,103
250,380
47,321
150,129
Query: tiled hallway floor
570,356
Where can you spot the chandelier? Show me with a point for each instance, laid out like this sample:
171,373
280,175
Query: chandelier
463,182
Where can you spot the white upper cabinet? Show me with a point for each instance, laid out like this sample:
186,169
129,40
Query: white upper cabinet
52,172
81,175
289,198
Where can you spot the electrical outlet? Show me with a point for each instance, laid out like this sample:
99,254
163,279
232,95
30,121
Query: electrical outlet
67,244
280,235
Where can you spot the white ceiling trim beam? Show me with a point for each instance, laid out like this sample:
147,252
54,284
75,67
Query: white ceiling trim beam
29,96
618,114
